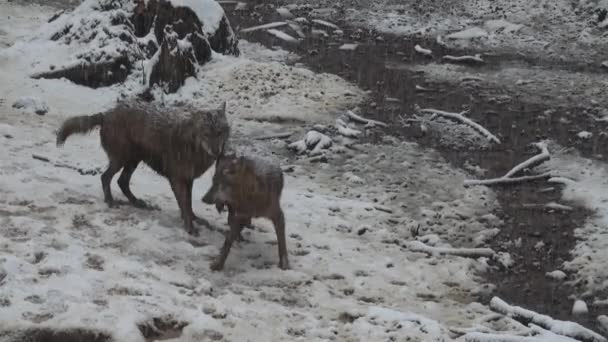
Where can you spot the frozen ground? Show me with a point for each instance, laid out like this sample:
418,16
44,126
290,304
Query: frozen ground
68,261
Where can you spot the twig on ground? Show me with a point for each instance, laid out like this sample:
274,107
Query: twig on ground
550,205
83,172
265,26
417,246
504,180
461,118
356,118
464,59
532,162
563,328
529,163
282,35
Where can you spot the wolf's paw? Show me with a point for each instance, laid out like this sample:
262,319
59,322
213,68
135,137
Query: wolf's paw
284,264
217,265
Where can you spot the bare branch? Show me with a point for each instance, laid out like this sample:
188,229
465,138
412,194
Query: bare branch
462,119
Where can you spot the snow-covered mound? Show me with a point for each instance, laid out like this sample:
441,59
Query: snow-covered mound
158,42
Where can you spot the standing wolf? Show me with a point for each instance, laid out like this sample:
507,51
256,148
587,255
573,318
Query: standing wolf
250,187
180,145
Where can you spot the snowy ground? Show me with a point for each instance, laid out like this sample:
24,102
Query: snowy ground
67,261
561,30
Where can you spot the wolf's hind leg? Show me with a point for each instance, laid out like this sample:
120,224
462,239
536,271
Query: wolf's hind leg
106,179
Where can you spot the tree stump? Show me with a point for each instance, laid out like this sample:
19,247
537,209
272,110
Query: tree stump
155,41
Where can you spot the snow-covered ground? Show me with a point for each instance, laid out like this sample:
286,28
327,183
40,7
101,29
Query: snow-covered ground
586,184
557,29
67,261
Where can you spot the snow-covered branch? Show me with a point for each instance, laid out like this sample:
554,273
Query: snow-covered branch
563,328
508,177
356,118
423,51
532,162
462,119
417,246
505,180
464,59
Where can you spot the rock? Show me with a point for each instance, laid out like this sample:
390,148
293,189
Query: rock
112,39
584,135
31,104
579,308
284,13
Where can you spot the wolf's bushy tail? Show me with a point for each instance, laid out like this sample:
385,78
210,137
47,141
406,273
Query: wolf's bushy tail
78,125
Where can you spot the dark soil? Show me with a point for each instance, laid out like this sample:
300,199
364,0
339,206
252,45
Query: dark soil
514,120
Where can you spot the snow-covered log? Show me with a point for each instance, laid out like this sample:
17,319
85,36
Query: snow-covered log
463,119
417,246
563,328
109,40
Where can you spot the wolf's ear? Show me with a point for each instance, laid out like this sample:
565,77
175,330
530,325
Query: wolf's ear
223,108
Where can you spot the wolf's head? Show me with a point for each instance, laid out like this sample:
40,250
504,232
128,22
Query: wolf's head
225,177
213,130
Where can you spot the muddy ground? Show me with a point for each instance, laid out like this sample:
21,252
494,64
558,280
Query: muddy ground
517,118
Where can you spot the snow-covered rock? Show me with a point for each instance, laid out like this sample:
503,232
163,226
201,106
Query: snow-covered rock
579,308
556,275
584,135
31,104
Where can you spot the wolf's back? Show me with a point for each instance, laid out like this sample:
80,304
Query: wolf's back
78,125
